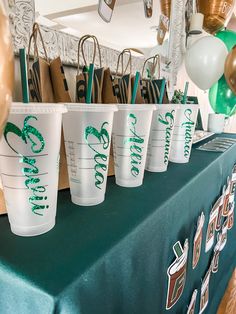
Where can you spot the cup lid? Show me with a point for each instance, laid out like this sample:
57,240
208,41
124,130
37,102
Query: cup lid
136,107
91,107
167,106
184,106
36,108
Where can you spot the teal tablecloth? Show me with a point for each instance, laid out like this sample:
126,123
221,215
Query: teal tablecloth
113,258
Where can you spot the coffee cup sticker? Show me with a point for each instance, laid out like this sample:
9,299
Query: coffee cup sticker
233,187
162,28
226,198
211,228
197,245
192,304
148,8
216,255
177,274
231,216
219,203
204,299
224,234
105,9
233,178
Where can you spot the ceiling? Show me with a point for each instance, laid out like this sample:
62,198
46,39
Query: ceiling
128,27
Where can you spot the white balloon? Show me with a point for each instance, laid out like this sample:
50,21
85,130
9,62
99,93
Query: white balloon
204,61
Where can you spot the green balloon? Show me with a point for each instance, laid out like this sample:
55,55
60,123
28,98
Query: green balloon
228,37
221,98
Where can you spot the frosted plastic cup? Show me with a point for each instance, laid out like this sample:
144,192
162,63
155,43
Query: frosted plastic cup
87,132
182,139
130,136
160,138
29,165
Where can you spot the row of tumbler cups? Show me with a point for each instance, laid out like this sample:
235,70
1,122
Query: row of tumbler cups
143,137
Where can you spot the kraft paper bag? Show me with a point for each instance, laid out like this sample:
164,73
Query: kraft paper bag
122,83
151,86
40,85
82,76
139,98
108,92
39,77
59,82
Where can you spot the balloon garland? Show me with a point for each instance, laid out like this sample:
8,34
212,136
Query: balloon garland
228,37
222,99
216,13
230,69
204,61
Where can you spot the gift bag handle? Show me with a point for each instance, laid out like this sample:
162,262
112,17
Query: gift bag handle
33,36
121,60
99,50
129,63
95,47
156,61
82,39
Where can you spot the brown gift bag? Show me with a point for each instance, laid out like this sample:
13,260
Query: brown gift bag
139,98
47,83
114,90
39,78
151,86
108,94
82,77
122,84
59,82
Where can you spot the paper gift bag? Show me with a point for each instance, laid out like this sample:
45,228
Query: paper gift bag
108,92
39,78
139,98
122,83
47,83
59,82
82,76
118,89
151,86
150,94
